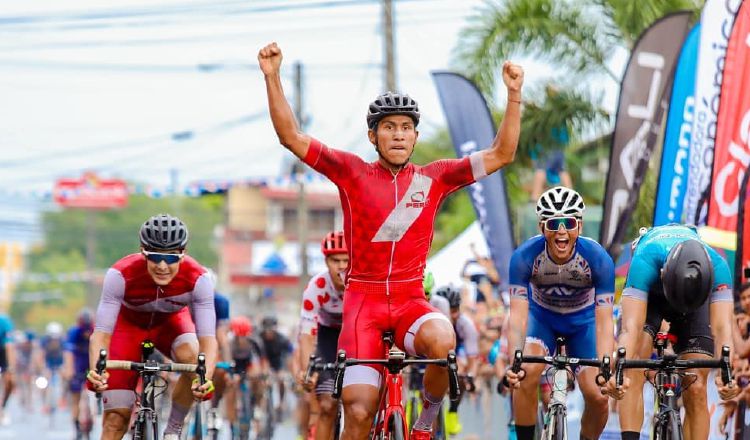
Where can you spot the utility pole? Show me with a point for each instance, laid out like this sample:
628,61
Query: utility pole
390,64
299,172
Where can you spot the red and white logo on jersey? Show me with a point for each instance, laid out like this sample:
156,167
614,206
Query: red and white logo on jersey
418,200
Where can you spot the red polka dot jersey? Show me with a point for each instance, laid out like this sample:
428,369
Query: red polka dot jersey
321,304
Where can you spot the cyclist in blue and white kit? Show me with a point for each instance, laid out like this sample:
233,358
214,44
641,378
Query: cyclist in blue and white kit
560,285
76,362
674,276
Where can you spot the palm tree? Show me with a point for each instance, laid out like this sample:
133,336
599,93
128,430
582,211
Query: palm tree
579,38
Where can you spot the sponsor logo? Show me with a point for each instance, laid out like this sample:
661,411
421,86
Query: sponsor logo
417,200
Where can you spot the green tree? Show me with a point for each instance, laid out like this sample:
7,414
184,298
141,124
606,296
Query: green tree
579,38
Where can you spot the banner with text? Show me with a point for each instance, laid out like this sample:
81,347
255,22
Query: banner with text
716,26
731,151
644,94
670,193
472,129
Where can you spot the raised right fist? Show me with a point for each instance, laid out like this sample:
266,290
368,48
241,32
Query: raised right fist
269,59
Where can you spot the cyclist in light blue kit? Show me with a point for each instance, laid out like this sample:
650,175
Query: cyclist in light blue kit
674,276
561,284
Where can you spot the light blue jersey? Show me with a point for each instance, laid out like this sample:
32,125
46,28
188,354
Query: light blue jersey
562,297
651,252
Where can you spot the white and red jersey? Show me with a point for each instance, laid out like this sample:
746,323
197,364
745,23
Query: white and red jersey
389,217
322,304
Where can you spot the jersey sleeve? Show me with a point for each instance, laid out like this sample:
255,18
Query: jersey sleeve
722,288
337,165
642,276
520,273
203,307
113,292
310,307
603,272
457,173
221,305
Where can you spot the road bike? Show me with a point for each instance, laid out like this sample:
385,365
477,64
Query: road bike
561,366
390,420
669,381
146,423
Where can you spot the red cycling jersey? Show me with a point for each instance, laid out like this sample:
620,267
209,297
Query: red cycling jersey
389,217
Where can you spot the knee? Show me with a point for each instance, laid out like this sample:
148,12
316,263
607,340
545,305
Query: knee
695,394
328,407
358,414
438,342
116,420
598,404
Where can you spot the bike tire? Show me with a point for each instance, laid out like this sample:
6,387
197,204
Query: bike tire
337,427
245,415
413,413
559,431
674,426
441,431
396,427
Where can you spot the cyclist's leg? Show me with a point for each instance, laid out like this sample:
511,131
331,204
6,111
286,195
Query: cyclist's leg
631,405
539,341
582,344
694,341
177,337
427,333
118,399
361,337
327,405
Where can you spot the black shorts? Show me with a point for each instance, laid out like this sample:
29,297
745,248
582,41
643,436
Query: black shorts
693,330
328,338
3,359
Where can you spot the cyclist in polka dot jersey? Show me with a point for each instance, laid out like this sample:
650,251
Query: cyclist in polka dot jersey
389,210
320,321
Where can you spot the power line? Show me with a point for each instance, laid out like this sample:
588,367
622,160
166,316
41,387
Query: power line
180,135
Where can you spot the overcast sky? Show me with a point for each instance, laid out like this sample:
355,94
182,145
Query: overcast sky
104,86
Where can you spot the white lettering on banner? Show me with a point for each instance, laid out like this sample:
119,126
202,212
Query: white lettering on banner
476,191
716,25
619,201
737,153
683,144
635,148
651,61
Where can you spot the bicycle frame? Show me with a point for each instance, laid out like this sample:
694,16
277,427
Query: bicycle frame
391,405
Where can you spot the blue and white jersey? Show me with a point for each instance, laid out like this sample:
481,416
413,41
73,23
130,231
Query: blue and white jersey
644,275
573,288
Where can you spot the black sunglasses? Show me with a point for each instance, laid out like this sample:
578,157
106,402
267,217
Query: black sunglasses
158,257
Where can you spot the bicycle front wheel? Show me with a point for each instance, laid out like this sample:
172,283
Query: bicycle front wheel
556,428
668,426
396,427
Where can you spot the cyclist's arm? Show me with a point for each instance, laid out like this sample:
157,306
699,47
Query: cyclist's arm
721,300
470,337
604,288
503,149
520,275
205,322
113,293
281,112
633,318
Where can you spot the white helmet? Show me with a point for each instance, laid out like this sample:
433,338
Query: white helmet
54,329
560,202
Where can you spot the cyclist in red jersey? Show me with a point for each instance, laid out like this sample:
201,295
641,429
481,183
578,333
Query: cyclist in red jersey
389,210
148,295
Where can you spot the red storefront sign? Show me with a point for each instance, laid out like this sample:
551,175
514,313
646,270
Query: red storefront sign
91,192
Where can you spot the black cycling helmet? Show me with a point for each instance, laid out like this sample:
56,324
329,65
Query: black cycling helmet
452,294
391,103
164,232
269,322
687,276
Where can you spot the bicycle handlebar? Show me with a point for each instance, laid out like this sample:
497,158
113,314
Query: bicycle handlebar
316,364
559,362
395,363
101,364
148,366
671,363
